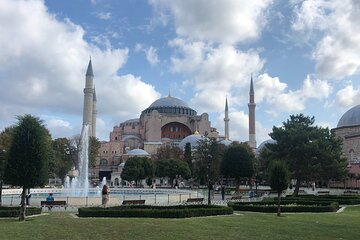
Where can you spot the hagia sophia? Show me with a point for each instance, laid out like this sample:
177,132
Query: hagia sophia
171,121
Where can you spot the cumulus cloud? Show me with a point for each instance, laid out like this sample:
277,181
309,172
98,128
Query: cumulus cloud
43,62
347,97
103,15
215,71
274,93
150,53
224,21
239,127
335,26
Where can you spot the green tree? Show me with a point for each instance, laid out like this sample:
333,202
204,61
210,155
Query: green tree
27,164
63,153
168,152
172,168
238,163
188,157
207,160
310,152
5,141
137,168
94,146
278,179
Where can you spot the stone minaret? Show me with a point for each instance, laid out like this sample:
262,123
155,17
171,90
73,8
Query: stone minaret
252,105
88,98
94,113
226,120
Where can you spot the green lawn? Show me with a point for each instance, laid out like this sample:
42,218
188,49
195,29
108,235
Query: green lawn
345,225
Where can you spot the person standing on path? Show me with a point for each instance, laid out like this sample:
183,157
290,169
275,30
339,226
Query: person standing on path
105,195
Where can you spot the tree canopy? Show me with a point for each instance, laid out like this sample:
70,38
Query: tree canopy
311,153
172,168
27,163
137,168
207,160
63,152
238,162
279,179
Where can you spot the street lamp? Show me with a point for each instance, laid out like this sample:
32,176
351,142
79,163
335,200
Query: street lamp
208,177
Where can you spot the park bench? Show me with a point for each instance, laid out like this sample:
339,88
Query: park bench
51,204
235,198
133,202
194,200
350,192
323,192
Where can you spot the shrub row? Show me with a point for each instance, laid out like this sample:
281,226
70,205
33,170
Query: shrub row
14,211
288,208
344,200
289,202
155,211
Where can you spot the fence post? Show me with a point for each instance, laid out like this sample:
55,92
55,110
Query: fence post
155,198
11,202
180,198
168,198
86,204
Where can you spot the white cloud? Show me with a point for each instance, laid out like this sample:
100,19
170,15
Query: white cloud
150,53
223,21
347,97
335,26
239,127
43,61
215,72
103,15
274,93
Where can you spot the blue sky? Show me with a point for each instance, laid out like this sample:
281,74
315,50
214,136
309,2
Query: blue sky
304,57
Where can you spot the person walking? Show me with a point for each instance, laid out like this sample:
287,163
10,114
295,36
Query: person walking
105,195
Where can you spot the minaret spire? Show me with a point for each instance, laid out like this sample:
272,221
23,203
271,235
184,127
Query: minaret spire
94,114
226,120
88,98
252,105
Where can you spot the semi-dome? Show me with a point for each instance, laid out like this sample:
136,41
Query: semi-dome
170,105
263,144
138,152
226,142
350,118
192,139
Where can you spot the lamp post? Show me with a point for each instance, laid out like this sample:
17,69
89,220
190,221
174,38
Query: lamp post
208,177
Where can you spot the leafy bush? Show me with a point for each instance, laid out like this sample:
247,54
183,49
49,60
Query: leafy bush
155,211
14,211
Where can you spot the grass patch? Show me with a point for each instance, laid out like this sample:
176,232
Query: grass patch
57,225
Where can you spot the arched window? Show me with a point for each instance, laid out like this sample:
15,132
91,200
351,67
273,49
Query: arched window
351,153
117,183
103,162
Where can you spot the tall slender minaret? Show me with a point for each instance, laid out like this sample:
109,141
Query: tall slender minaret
88,98
252,105
226,120
94,113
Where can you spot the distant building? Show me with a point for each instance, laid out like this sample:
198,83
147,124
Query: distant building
167,121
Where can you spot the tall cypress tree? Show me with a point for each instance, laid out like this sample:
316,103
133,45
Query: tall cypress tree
27,164
278,179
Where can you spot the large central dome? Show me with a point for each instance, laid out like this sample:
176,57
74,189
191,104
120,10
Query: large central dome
170,105
350,118
169,102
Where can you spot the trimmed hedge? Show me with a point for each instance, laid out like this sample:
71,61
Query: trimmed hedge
341,199
15,211
155,211
292,208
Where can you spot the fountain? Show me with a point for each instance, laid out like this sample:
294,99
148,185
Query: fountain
79,186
